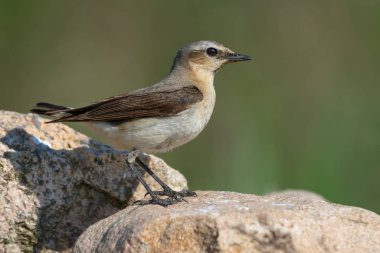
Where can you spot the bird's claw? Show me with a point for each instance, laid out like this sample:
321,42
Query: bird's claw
172,197
158,201
174,194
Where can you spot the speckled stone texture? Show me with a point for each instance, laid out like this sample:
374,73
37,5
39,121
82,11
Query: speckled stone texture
55,182
286,222
57,185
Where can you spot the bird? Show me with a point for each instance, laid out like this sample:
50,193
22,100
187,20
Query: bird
157,118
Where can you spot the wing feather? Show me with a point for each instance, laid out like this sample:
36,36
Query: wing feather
134,106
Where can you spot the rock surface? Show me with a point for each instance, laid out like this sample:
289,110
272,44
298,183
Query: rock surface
55,182
57,185
287,222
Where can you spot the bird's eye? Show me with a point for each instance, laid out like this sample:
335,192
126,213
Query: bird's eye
211,51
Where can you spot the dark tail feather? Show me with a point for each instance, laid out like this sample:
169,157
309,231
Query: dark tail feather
51,106
40,111
50,110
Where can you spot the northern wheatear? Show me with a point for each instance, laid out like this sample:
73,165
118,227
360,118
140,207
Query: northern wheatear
160,117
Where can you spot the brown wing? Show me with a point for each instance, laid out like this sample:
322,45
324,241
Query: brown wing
134,106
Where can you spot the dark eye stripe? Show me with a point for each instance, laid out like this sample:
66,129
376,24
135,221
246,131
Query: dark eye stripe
211,51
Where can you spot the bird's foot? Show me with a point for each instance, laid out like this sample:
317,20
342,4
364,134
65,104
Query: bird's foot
158,201
174,194
172,197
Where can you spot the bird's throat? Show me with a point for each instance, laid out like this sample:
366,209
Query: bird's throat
202,76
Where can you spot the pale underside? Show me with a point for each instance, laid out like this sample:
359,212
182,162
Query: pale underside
157,134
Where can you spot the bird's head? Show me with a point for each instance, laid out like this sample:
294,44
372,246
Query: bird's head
206,56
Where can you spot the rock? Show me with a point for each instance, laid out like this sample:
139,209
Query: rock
55,182
285,222
57,185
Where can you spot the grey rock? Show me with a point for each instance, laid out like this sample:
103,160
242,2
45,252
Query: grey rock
55,182
57,185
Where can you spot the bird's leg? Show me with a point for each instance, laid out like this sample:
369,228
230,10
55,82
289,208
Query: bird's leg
155,199
167,190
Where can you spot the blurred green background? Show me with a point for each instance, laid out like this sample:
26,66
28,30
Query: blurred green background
304,114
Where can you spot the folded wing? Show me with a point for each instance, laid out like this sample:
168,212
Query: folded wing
127,107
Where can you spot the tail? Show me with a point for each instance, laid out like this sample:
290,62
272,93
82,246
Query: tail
56,111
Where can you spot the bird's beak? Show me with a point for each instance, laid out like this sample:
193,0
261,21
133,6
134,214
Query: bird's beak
234,57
